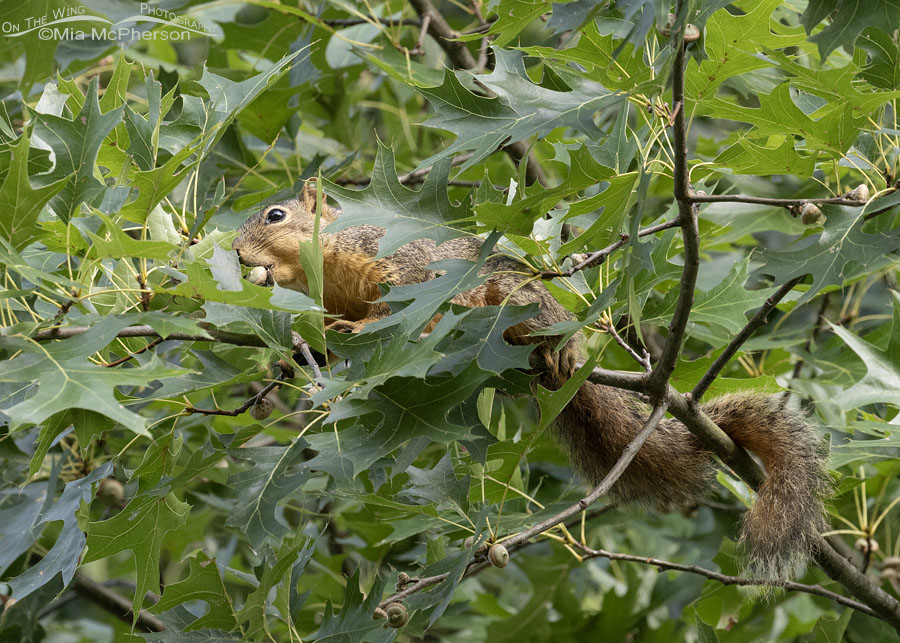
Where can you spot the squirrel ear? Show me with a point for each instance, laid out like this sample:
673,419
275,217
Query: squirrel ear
308,194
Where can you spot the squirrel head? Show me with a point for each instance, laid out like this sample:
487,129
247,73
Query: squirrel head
271,237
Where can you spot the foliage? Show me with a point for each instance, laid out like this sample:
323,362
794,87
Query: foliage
126,165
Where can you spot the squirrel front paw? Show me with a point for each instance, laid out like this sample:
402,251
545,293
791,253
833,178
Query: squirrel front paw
345,326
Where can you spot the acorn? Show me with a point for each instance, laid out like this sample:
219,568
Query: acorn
397,616
691,33
892,562
810,214
889,574
403,580
258,275
470,541
498,555
866,545
261,410
379,614
111,492
860,193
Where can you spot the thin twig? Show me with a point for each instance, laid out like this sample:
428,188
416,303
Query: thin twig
817,328
643,359
725,579
122,360
786,203
518,540
387,22
300,346
758,320
285,374
599,256
628,454
419,49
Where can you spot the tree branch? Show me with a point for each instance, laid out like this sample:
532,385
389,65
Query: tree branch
758,320
115,604
478,565
213,335
690,233
445,36
518,540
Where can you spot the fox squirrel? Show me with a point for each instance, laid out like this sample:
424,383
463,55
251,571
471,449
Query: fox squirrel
672,468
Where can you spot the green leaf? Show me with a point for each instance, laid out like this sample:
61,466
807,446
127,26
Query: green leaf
354,622
478,334
155,184
225,285
519,216
884,70
143,131
765,156
834,132
276,475
65,555
881,383
724,305
603,57
227,98
520,109
732,41
840,252
272,326
512,17
405,214
204,583
139,528
405,408
276,590
610,205
565,330
20,204
65,379
848,18
440,486
427,297
116,243
75,144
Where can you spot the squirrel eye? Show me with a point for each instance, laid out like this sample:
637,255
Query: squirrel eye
275,215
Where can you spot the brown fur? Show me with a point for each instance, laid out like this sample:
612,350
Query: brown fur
672,468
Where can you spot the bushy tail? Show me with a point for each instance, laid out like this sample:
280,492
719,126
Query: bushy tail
779,532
